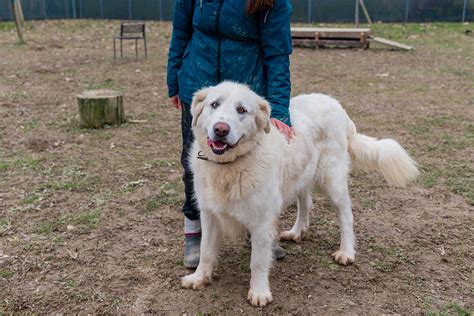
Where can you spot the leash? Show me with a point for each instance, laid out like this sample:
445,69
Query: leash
203,157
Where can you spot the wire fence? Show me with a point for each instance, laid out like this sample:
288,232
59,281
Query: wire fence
309,11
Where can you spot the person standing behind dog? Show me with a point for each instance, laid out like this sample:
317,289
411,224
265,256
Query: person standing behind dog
247,41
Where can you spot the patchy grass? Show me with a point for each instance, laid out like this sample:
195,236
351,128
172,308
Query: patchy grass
106,84
26,163
152,203
7,26
428,126
46,228
6,274
4,226
387,259
460,180
63,185
430,176
30,199
82,221
442,141
405,30
451,308
67,282
425,34
88,219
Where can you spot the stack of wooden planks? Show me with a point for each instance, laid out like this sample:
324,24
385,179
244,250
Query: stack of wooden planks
339,37
320,37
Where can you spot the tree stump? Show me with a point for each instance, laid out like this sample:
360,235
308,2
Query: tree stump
100,107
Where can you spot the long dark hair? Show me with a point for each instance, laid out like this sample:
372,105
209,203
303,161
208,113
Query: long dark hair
258,5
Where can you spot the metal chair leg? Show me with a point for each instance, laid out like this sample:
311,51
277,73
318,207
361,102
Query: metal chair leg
146,51
121,48
115,54
136,49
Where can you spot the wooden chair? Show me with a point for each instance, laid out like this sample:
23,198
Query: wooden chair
131,31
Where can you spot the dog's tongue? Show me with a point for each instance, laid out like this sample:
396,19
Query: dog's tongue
216,144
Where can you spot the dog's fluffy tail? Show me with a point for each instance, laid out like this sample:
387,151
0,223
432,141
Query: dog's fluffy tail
384,155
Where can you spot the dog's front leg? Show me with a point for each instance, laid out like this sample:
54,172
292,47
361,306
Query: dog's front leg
209,247
260,264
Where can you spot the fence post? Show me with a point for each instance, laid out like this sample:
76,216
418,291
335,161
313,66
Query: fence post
44,10
407,10
74,12
464,9
101,4
356,18
161,10
81,15
313,7
66,9
10,11
309,11
19,26
129,9
20,9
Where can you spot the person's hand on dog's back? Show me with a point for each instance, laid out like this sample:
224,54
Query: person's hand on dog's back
286,130
176,102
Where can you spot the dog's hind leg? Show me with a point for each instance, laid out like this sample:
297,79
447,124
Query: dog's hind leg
335,185
209,247
305,204
260,263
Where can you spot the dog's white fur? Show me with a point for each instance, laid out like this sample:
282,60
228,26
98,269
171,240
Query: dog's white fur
246,188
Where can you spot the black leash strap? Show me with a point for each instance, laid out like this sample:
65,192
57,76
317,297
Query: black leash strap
202,157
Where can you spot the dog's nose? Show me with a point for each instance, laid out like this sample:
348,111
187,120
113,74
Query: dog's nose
221,129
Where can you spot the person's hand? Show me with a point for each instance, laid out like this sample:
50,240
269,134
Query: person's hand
287,131
176,102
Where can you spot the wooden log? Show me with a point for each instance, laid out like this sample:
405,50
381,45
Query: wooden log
20,9
100,107
366,13
17,11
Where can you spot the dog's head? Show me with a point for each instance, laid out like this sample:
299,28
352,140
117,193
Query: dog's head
228,117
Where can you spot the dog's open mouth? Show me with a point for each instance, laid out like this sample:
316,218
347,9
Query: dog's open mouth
219,147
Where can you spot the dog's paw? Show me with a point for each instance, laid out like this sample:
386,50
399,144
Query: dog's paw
343,258
259,299
194,281
291,235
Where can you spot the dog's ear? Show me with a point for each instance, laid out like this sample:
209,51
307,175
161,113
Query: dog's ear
263,115
197,105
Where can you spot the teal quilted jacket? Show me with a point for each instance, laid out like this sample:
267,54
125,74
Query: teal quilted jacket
214,40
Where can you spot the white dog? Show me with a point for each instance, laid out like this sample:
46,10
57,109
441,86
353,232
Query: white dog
245,173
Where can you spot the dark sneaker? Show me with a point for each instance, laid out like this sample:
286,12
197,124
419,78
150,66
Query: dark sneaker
192,250
278,251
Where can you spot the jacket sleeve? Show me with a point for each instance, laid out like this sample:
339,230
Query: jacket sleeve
276,44
182,33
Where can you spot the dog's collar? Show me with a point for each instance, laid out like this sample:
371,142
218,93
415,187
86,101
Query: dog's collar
203,157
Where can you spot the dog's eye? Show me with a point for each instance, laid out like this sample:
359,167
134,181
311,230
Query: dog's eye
214,104
241,110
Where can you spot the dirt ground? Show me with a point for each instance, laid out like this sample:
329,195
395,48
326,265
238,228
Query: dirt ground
90,220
